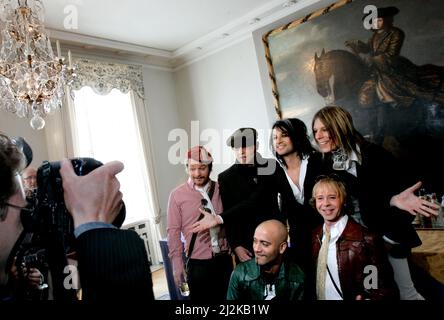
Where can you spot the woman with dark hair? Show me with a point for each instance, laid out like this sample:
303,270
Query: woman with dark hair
292,148
296,131
374,184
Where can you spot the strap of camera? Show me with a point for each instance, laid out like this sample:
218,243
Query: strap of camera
334,283
193,237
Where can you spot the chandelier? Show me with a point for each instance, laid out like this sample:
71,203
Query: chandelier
32,79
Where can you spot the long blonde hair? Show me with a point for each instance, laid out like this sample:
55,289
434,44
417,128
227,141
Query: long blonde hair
339,124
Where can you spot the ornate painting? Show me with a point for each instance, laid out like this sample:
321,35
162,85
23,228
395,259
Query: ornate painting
395,93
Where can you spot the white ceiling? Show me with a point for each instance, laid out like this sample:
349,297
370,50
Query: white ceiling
161,24
171,29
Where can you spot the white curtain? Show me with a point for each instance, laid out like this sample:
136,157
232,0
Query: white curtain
61,132
141,123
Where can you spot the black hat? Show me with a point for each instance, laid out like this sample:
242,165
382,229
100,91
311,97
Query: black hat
387,12
242,137
384,12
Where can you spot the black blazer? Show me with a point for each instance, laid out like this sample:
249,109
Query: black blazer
113,265
249,196
302,218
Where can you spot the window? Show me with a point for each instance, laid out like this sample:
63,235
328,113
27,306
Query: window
106,131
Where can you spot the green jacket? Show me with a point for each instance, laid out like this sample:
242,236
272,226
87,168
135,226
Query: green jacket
247,283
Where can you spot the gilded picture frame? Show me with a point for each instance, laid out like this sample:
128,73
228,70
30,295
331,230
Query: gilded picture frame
412,130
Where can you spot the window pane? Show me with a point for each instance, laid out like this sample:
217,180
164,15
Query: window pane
107,132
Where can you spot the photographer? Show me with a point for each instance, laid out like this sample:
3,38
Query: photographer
29,177
112,262
11,200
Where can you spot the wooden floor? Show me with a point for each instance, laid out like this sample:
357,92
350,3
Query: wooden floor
160,286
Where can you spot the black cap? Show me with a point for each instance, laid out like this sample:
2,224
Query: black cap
385,12
242,137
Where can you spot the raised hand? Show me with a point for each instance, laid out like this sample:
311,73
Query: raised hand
95,196
208,221
408,201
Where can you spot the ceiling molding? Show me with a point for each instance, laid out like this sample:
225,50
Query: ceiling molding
183,62
240,26
236,31
85,40
196,50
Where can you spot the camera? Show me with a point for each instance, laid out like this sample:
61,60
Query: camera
50,213
34,260
29,255
49,226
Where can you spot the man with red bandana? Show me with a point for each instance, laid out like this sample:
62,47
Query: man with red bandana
210,263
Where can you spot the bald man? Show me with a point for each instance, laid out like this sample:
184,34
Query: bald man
269,275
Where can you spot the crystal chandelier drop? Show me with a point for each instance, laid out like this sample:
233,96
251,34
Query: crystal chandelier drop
32,79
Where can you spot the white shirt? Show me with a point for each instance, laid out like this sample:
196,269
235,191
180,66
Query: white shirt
335,232
351,162
214,232
298,193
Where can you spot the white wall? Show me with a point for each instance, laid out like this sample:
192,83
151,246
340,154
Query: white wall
163,117
224,92
13,126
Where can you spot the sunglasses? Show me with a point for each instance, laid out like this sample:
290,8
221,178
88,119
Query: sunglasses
25,208
28,209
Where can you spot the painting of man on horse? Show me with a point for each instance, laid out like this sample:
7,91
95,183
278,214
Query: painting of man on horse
391,79
377,76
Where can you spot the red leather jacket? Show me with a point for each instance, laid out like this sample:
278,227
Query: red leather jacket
357,248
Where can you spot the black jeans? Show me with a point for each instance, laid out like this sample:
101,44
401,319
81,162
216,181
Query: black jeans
208,279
